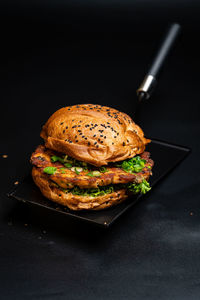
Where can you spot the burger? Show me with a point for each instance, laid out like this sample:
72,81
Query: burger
93,157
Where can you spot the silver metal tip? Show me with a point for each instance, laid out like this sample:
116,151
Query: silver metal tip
142,96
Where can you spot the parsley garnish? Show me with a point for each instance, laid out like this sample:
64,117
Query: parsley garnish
135,188
100,191
132,165
141,188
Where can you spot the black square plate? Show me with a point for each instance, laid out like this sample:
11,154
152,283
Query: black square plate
165,155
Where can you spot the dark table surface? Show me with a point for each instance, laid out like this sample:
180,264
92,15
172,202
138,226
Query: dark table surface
57,54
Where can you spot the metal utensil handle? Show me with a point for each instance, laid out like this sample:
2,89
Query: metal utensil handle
149,82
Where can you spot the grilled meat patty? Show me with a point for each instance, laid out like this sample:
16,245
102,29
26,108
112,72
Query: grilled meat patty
75,202
68,177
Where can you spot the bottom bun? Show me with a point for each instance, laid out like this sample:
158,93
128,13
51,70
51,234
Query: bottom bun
75,202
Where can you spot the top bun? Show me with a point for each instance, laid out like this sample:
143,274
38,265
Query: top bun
93,133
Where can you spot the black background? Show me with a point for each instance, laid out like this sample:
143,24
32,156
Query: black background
58,53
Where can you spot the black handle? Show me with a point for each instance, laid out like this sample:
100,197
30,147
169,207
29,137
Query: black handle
164,50
150,79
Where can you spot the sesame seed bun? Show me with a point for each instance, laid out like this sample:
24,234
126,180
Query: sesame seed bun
93,133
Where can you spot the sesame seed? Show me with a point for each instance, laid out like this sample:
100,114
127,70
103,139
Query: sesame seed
61,123
123,144
64,131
